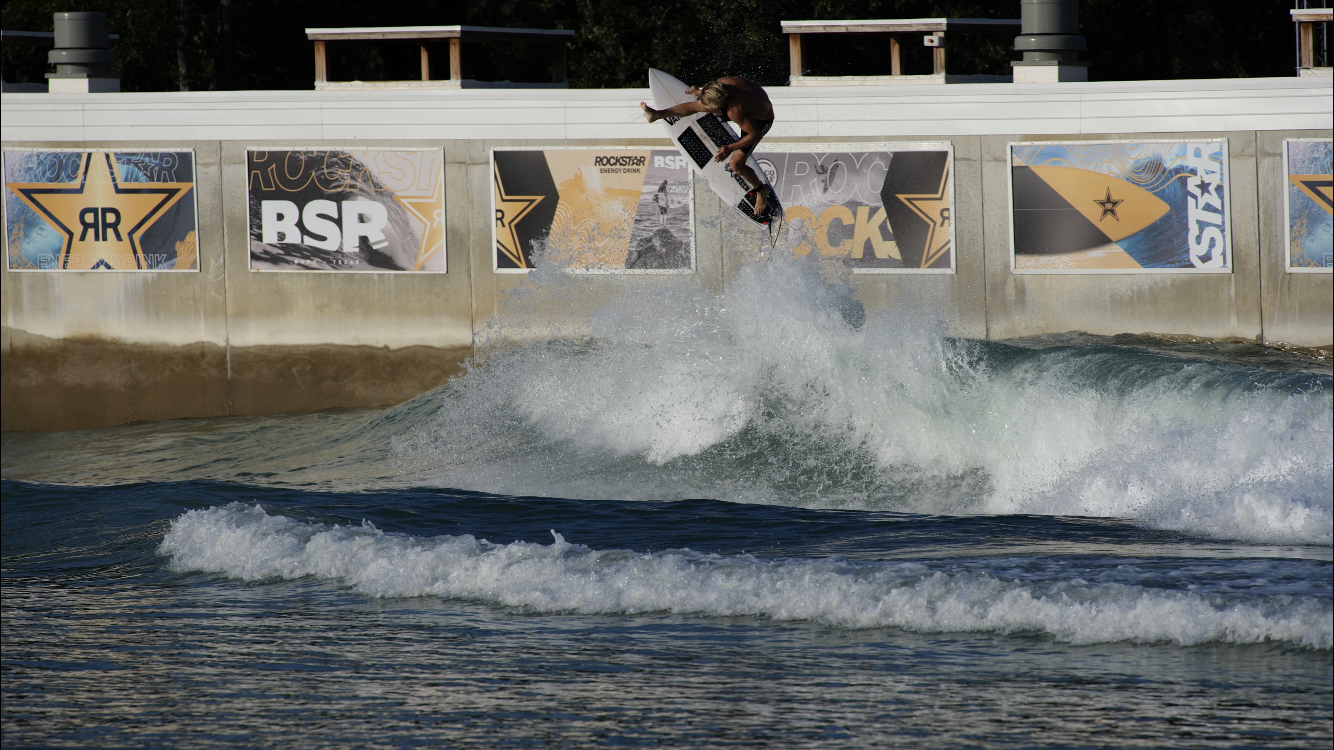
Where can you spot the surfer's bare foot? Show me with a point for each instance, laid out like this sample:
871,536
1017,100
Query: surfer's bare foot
759,203
649,113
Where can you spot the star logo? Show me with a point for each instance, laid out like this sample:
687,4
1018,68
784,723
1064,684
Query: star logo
430,211
1108,206
510,210
934,208
102,218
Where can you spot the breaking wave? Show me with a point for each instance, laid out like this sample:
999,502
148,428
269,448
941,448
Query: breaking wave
1115,604
783,392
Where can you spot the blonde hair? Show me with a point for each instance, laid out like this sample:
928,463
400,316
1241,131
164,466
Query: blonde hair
713,95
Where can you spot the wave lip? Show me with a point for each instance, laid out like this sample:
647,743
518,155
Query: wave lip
779,392
246,543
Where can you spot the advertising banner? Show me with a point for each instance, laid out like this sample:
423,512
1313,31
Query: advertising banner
101,210
593,210
371,210
1120,207
1307,204
882,209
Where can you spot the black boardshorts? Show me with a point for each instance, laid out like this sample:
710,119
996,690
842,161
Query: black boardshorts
764,126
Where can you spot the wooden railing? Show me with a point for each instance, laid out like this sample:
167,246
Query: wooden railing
935,30
1306,19
457,35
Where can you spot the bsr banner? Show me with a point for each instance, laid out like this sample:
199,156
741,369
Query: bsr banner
599,210
1308,203
879,210
369,210
100,210
1120,207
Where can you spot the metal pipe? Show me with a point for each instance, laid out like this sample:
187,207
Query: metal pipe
82,46
1049,30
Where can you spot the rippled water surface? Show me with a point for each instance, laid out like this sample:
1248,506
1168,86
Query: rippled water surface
759,520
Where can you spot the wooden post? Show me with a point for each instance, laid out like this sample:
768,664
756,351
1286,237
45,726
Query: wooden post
895,59
794,55
321,67
426,63
456,60
558,67
1306,33
938,57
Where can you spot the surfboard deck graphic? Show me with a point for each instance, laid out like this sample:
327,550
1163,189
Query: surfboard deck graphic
699,137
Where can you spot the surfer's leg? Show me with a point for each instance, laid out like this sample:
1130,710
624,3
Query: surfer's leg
739,165
676,110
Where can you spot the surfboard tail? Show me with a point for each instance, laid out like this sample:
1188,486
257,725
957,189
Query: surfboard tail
772,207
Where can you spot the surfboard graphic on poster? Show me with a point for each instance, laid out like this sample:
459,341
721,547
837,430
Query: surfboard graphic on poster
1120,207
699,137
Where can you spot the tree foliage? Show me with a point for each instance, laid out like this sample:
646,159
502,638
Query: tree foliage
168,45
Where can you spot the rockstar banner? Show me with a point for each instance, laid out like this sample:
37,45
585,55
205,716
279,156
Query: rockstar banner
1120,207
1310,244
371,210
880,211
598,210
101,210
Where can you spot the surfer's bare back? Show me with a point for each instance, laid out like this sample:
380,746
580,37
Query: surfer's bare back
740,101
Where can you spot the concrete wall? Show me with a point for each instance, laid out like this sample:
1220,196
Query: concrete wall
1204,305
1296,308
87,349
91,349
301,341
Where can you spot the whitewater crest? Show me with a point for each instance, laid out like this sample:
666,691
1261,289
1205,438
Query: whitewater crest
783,391
245,542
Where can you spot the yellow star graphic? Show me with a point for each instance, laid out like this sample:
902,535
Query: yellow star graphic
430,211
102,218
934,208
510,209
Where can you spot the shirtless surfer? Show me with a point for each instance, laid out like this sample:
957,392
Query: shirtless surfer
740,101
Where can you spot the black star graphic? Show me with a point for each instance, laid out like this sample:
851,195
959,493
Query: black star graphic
1109,205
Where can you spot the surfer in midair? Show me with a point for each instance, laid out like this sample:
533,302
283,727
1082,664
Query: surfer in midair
740,101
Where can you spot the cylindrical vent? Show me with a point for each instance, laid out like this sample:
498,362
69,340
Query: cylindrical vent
82,47
1049,30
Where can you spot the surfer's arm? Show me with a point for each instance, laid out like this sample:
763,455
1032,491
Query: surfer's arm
750,135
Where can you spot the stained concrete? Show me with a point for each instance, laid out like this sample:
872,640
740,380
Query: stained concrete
277,379
79,382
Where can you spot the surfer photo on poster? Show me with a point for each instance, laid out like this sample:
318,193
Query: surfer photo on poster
730,99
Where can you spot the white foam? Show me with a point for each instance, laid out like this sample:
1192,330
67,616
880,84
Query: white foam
246,543
747,396
773,393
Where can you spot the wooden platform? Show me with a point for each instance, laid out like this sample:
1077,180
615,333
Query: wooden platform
457,35
895,28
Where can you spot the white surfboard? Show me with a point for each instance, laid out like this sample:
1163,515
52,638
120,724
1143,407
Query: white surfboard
699,137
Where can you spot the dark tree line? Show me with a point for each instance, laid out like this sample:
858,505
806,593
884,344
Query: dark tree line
168,45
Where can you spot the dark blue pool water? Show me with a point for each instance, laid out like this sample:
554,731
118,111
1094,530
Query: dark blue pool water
758,521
